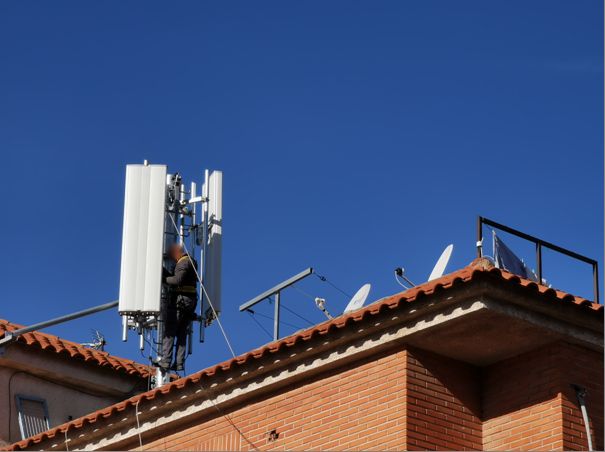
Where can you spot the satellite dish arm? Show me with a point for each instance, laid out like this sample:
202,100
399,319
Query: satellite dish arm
400,273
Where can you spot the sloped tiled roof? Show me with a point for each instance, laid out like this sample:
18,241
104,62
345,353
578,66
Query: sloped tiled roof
476,270
54,344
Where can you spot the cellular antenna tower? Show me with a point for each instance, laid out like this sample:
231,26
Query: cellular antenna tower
159,211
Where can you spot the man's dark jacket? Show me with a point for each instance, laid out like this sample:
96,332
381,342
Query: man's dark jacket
184,279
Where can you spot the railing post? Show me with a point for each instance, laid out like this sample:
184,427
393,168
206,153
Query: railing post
595,277
479,236
539,261
276,318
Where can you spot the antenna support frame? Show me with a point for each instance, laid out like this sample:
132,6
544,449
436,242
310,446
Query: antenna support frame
275,290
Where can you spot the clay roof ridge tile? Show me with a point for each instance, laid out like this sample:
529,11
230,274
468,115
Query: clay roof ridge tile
50,343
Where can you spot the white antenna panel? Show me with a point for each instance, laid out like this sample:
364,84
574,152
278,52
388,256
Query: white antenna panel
441,264
358,299
214,245
142,239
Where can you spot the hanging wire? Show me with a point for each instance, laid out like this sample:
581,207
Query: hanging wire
151,345
205,292
224,335
324,279
400,283
136,413
260,324
309,296
297,315
293,312
226,416
280,320
149,358
306,294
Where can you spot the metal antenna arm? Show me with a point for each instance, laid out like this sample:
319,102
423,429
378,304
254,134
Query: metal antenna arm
275,291
195,199
11,336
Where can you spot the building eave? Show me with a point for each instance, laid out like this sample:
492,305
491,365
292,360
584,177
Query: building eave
386,323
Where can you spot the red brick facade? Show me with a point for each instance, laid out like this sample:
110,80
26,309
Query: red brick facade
586,369
529,402
522,403
415,400
443,404
360,407
498,376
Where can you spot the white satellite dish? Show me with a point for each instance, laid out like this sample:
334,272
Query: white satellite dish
439,268
358,299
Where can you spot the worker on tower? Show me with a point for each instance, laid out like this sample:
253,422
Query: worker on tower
180,311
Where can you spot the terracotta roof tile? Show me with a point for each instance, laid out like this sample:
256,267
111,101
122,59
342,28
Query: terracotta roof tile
478,268
53,344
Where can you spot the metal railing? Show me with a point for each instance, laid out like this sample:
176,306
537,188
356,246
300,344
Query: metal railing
539,244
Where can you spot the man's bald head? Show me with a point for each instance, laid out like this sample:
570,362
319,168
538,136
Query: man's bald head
176,251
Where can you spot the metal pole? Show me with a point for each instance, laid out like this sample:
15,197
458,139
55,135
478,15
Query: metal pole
194,244
160,377
193,194
539,261
190,339
181,215
479,236
13,335
170,237
581,396
124,328
276,318
595,277
204,226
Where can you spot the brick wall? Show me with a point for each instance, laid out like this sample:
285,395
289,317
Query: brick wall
411,399
585,368
528,402
359,407
402,400
521,403
443,403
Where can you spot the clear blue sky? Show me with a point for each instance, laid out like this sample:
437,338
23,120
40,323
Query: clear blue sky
353,136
